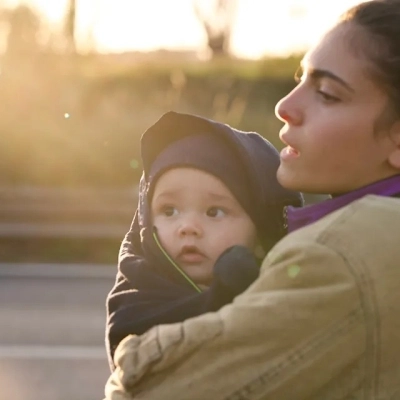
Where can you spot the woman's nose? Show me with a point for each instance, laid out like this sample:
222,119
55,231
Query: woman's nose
288,109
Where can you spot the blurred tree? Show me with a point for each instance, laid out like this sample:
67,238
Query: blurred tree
70,26
23,32
218,23
20,29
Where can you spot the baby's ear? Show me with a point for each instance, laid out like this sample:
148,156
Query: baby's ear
394,156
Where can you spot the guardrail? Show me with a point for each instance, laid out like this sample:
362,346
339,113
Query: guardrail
70,213
66,213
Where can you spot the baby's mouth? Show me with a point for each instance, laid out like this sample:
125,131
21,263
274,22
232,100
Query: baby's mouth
190,255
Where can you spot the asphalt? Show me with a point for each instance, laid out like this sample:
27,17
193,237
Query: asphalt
52,331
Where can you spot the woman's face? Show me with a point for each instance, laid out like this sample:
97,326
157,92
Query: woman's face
331,120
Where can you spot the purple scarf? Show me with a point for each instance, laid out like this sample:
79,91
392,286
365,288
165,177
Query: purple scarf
300,217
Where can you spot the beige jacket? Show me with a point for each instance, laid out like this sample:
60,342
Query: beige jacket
322,322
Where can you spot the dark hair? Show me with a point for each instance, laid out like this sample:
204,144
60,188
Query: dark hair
379,21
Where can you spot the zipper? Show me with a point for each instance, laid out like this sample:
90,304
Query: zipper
285,219
176,266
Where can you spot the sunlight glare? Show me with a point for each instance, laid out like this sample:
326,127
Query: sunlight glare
261,27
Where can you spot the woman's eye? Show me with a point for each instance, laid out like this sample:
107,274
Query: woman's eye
215,212
327,97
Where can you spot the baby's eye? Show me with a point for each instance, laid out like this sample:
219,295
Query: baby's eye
215,212
169,211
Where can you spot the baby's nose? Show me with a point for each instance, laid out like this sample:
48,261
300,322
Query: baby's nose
190,225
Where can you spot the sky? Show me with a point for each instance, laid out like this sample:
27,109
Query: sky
261,27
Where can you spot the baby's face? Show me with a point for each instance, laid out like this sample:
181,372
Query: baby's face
197,219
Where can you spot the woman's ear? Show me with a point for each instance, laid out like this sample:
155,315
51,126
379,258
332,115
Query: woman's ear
394,156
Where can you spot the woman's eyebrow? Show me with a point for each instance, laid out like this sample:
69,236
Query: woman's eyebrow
316,74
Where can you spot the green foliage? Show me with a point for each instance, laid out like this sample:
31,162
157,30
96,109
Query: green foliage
80,124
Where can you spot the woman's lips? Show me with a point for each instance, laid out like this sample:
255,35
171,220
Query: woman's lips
289,153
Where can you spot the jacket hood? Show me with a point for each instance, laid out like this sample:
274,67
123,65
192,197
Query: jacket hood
259,158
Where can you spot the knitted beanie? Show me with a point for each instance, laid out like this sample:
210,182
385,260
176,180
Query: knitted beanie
210,154
246,162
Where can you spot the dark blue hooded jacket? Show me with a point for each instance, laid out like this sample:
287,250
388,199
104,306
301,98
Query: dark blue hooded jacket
150,290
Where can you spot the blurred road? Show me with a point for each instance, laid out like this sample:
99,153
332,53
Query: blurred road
52,331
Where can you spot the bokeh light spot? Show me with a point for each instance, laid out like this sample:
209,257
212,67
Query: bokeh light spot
293,271
134,164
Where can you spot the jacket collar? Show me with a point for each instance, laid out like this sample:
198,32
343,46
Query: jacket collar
300,217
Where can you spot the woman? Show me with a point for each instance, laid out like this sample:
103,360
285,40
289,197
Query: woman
322,320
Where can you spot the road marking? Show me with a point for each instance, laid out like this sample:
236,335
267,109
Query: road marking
32,270
27,352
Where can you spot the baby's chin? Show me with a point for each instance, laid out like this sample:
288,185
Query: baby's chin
200,274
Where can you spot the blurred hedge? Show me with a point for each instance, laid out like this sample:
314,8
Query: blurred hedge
78,123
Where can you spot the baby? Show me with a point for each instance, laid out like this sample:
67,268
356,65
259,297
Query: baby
210,208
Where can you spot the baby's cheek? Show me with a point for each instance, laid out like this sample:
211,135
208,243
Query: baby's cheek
163,235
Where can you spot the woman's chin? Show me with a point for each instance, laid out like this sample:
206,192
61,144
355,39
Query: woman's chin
288,179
